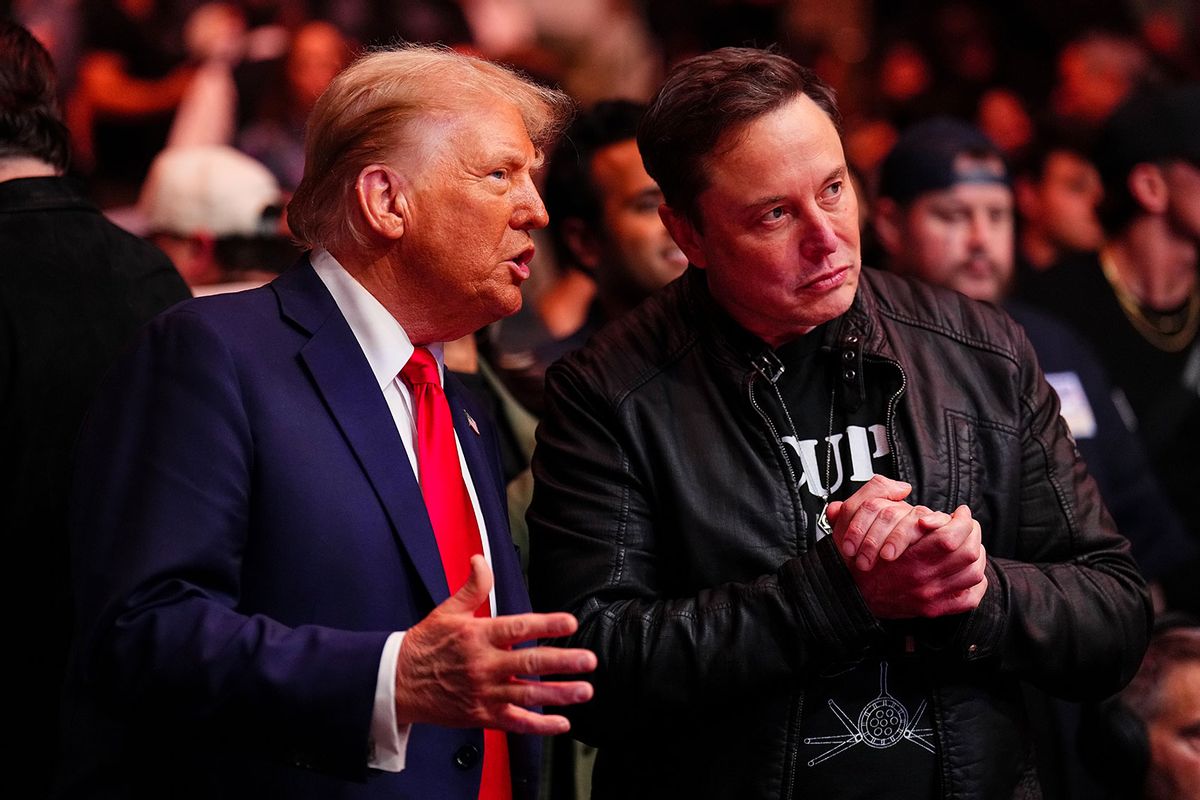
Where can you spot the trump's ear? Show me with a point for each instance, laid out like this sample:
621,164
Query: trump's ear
381,199
684,232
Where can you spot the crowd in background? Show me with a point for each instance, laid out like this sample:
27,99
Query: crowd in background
139,75
187,123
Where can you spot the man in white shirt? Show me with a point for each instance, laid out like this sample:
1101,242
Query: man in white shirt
269,604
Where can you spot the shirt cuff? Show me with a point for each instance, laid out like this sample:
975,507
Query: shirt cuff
389,741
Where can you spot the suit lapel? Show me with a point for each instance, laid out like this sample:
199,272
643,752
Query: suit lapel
344,380
478,450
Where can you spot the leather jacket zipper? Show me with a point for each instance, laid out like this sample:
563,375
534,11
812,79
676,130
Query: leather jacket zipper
935,704
762,363
789,786
769,367
890,415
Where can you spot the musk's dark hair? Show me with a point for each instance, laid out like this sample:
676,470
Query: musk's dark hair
570,191
706,97
30,120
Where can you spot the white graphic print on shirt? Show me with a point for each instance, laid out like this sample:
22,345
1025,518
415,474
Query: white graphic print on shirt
882,723
864,443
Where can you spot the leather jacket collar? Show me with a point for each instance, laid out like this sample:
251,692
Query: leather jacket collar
850,337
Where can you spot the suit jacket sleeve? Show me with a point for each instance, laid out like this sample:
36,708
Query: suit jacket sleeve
162,511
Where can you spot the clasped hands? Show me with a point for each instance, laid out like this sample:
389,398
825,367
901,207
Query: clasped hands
909,561
458,670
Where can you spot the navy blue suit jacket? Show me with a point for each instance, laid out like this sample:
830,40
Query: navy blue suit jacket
247,531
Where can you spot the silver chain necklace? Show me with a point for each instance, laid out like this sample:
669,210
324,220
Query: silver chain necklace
822,518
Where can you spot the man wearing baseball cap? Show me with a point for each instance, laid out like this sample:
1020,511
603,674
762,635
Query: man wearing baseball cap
216,213
944,215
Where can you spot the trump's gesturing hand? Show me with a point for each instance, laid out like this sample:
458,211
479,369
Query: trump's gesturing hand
458,670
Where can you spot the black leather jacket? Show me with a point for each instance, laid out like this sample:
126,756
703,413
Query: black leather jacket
666,517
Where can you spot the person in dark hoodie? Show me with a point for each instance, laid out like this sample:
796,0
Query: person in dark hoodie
73,289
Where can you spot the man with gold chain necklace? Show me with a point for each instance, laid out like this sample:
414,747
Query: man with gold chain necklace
1138,301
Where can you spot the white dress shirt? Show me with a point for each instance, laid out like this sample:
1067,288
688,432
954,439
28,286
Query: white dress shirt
387,348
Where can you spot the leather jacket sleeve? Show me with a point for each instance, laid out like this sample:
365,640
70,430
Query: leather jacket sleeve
1066,608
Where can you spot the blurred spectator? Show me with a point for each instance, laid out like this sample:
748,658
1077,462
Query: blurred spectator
614,252
275,136
603,48
945,215
901,94
500,29
607,211
833,37
904,73
1095,72
132,77
950,45
867,142
216,213
1138,301
1144,744
215,38
1057,190
74,289
1171,31
382,22
606,231
58,26
1003,116
962,40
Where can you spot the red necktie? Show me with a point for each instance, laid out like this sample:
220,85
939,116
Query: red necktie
454,525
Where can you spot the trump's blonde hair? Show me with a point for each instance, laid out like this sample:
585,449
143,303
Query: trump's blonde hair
375,109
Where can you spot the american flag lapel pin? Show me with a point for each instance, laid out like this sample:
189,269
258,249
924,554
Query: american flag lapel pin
471,422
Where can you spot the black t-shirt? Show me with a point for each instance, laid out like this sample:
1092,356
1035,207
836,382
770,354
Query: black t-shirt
866,729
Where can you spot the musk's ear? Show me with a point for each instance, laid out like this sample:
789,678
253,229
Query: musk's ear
690,240
382,200
888,225
1149,187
